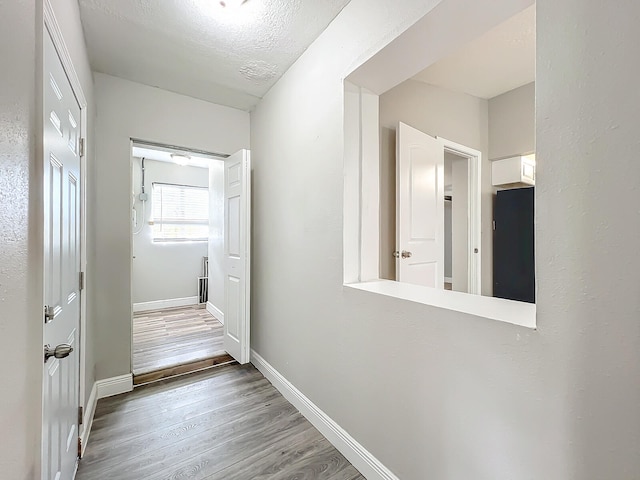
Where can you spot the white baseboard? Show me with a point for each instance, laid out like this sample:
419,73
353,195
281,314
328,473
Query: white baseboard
369,466
102,389
158,304
215,311
448,279
87,419
114,386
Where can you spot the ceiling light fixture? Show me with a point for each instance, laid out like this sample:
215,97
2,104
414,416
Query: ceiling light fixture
231,3
180,158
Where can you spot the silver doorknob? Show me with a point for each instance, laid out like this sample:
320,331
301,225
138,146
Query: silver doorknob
405,254
61,351
396,254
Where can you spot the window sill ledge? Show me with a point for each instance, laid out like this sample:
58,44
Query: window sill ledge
507,311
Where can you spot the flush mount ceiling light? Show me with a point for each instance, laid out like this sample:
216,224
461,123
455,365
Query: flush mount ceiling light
231,3
233,13
180,158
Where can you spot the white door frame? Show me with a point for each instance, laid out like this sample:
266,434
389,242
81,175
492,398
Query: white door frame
134,141
53,27
474,220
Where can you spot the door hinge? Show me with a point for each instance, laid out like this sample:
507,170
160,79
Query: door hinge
49,314
81,146
80,415
81,280
494,224
79,447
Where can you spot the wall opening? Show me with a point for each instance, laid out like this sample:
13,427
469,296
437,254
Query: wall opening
458,90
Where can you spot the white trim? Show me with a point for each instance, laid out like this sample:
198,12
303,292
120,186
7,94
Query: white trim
102,389
114,386
216,312
509,311
351,232
131,235
448,280
87,420
159,304
246,340
474,199
369,185
368,465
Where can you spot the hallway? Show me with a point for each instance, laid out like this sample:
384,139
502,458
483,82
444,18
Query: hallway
227,423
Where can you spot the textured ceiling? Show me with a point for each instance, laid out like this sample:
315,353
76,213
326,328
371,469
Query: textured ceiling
499,61
195,47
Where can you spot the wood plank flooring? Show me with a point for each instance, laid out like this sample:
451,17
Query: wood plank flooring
228,423
174,336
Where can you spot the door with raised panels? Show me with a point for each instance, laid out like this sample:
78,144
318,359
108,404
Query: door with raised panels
237,250
420,208
61,270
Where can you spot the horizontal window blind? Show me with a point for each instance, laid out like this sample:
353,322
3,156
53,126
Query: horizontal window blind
180,213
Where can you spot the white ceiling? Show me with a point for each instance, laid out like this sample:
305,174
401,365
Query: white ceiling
197,48
499,61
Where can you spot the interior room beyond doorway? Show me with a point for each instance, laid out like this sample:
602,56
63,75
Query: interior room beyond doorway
174,213
456,212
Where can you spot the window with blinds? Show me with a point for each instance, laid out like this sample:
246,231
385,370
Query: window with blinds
180,213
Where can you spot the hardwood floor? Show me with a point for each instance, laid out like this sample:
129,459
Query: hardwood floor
227,423
174,336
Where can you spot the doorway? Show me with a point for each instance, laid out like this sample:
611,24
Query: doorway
463,173
177,237
462,261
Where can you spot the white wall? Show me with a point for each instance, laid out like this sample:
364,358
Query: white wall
20,217
216,235
512,123
125,110
164,270
21,227
588,267
434,393
438,112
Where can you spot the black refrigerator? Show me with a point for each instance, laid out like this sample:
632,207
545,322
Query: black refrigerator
513,245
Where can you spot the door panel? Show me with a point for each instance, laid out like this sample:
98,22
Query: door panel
232,317
420,208
62,190
237,249
233,214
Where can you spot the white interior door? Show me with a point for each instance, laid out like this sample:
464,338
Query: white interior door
61,269
420,208
237,248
